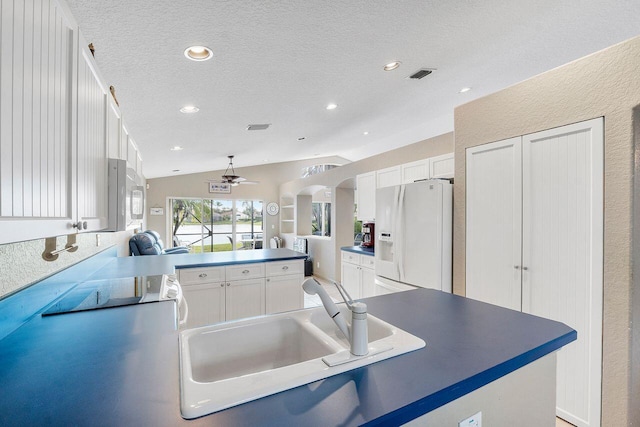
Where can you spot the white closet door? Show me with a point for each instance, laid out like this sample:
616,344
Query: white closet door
562,254
493,216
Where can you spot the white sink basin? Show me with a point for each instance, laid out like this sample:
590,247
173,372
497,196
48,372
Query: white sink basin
228,364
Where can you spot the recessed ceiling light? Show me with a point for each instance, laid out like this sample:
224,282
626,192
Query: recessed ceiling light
365,133
189,109
176,148
392,65
464,89
198,53
332,106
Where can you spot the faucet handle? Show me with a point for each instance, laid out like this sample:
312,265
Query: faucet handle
344,294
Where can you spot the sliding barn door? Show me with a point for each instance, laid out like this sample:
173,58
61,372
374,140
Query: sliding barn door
562,253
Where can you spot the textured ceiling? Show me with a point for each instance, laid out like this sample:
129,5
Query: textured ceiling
282,62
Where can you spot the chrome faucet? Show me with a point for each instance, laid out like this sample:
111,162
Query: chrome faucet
358,335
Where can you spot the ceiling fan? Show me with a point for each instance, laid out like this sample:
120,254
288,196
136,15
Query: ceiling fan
230,177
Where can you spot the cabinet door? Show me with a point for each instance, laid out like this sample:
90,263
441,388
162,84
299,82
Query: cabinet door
124,141
389,177
245,298
415,171
441,166
206,303
366,196
368,282
37,172
351,279
494,221
114,129
563,254
284,293
92,144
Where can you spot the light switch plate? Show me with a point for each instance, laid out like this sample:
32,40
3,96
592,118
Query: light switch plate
473,421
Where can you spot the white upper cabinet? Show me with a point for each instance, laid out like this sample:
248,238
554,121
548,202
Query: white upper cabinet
415,171
37,141
114,129
389,177
58,125
366,196
92,143
441,166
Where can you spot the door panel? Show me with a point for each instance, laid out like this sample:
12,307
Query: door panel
245,298
562,235
494,218
421,223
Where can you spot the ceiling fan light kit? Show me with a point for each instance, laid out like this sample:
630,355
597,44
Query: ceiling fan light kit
230,178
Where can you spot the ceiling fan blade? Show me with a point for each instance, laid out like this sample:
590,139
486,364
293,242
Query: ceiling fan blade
249,182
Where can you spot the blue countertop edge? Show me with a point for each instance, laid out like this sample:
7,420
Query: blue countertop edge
359,250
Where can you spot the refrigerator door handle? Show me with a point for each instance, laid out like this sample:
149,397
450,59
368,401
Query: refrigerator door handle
399,241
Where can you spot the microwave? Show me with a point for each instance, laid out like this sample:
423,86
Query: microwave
126,197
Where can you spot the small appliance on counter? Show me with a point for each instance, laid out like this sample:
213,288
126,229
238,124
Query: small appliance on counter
368,231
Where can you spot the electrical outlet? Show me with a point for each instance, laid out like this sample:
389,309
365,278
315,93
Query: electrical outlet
97,240
318,264
473,421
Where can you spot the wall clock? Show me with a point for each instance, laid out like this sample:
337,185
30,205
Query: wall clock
273,208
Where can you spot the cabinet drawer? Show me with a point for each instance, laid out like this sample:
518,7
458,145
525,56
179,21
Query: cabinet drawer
245,271
194,276
367,261
281,268
350,257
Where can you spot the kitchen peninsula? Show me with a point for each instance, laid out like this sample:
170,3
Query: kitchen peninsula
120,366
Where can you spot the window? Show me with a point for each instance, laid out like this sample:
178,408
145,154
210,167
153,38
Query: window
211,225
321,219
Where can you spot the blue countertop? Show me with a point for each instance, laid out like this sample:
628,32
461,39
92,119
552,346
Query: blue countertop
119,366
359,250
166,264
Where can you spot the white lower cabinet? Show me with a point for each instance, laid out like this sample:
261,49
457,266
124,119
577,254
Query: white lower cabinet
206,303
218,294
244,298
284,286
358,274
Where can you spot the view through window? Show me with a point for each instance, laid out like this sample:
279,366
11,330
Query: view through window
214,225
321,218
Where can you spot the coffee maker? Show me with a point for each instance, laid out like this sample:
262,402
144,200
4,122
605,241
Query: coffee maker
368,231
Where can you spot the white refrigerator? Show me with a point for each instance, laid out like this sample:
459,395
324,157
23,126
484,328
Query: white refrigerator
413,236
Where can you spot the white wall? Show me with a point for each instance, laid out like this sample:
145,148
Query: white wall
22,263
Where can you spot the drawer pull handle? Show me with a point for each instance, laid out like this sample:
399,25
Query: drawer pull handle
202,275
286,267
245,271
222,285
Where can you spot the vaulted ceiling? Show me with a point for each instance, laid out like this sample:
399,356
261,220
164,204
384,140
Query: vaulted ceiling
282,62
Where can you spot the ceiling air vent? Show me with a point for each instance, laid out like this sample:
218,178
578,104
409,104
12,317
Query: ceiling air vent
421,73
258,127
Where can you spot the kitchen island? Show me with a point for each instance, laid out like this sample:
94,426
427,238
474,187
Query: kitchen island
120,366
